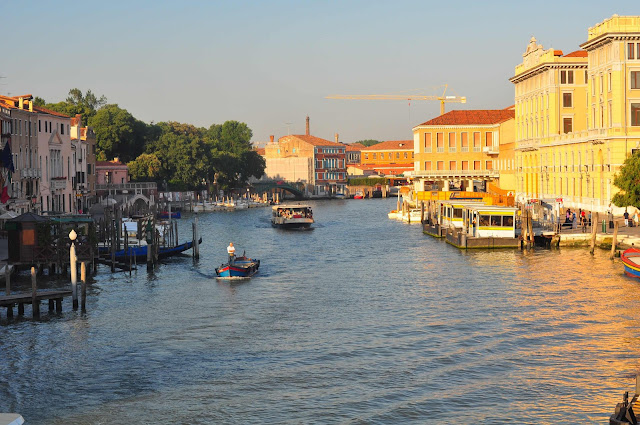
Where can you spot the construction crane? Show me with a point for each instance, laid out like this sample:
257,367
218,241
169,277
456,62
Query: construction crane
442,98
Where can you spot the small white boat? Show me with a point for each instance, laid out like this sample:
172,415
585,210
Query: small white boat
414,215
395,215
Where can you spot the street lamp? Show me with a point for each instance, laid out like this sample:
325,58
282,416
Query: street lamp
72,259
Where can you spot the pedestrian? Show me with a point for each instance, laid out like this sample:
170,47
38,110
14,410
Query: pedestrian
231,250
626,218
589,218
574,221
584,223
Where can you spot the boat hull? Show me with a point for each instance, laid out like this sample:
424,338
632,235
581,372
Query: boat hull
241,267
631,261
140,252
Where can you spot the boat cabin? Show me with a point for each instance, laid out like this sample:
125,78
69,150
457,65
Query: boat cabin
452,212
292,211
491,221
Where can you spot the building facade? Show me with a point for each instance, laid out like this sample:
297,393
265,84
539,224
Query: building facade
390,158
578,115
465,148
83,145
317,163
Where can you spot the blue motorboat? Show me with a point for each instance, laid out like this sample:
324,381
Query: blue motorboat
239,267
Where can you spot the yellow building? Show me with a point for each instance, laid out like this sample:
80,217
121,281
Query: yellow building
390,158
463,147
578,115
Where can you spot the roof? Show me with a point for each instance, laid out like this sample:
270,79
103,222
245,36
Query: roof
354,147
391,145
577,54
110,164
312,140
473,117
261,151
28,217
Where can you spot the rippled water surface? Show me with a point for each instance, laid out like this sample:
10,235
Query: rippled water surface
362,320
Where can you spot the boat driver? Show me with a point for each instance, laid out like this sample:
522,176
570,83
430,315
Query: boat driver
231,250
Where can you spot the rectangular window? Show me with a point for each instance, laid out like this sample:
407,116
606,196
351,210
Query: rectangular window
496,220
465,165
440,142
586,77
427,142
635,79
635,114
427,166
405,155
630,50
488,139
567,125
567,100
488,165
40,126
375,156
464,142
601,84
609,82
570,77
440,165
452,165
397,155
452,142
476,165
563,77
476,141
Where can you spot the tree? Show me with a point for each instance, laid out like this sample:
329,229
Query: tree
76,103
114,128
144,167
628,181
368,142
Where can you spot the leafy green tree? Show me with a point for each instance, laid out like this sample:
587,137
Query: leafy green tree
114,128
368,142
86,105
628,181
38,101
144,167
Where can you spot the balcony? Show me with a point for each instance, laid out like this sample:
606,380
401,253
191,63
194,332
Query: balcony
491,150
58,183
30,173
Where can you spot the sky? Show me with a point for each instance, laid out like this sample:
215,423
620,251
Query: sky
270,64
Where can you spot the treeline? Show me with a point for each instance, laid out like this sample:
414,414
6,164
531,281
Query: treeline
183,155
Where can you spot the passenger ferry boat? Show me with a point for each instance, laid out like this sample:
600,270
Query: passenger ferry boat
292,216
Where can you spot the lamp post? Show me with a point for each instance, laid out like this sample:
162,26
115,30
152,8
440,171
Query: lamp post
72,257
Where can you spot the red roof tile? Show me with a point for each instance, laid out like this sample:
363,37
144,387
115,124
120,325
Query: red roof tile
261,151
473,117
391,145
557,53
312,140
354,147
577,54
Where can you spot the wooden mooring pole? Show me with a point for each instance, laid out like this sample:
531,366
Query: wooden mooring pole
83,278
35,304
614,241
594,230
7,279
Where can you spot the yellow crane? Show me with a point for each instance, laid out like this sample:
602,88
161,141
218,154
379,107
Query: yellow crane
442,98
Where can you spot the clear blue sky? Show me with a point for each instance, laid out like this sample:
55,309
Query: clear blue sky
270,63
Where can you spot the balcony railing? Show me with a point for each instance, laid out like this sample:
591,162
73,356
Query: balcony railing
58,183
30,173
457,173
128,186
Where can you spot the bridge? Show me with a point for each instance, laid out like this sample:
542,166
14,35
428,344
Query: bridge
267,186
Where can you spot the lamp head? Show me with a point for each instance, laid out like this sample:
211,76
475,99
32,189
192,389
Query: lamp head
73,235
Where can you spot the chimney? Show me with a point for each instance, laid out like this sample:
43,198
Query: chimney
31,106
337,138
307,133
21,104
271,139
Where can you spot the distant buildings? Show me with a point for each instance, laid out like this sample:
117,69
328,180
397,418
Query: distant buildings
390,158
318,164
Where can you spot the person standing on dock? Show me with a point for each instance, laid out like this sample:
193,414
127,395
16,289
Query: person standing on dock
231,250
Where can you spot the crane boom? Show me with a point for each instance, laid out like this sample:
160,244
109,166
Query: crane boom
442,98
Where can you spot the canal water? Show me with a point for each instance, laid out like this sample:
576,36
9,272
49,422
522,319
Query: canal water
361,320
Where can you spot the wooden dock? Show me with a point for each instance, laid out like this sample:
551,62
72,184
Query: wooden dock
22,298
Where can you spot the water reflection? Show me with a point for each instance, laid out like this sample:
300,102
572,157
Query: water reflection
362,320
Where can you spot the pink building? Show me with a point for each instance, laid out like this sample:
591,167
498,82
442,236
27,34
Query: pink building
112,172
